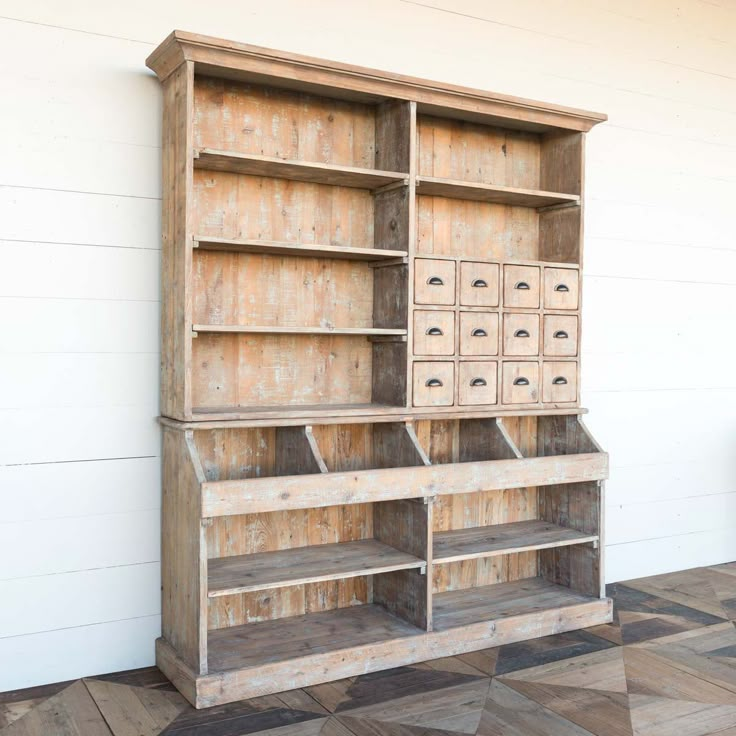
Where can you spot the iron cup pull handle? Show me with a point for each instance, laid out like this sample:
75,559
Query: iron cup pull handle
479,332
521,333
522,285
479,382
435,331
435,281
559,381
561,335
521,381
433,383
480,283
562,287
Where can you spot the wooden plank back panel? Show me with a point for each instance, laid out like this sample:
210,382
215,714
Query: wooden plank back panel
235,206
455,149
483,230
269,121
269,291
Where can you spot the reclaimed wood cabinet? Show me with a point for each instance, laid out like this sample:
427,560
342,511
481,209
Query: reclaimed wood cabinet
373,451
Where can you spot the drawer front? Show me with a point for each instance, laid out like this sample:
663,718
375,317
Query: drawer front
478,284
559,382
560,335
520,383
520,334
478,333
434,281
560,288
434,332
433,383
477,382
521,286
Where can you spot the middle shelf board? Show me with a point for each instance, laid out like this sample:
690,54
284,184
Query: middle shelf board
308,250
301,565
477,191
279,330
312,172
503,539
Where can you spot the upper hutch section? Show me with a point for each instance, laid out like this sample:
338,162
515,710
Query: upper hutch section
340,241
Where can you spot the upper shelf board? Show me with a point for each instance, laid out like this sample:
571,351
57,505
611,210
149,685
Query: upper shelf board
479,192
313,250
229,59
315,173
280,330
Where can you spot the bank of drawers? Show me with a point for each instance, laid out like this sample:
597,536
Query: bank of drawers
499,355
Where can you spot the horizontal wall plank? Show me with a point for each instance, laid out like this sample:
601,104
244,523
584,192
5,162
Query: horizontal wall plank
77,217
55,271
71,489
668,554
74,380
73,434
51,602
669,517
67,654
78,326
81,543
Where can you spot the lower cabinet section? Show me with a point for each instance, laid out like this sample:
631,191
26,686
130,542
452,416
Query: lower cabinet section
300,554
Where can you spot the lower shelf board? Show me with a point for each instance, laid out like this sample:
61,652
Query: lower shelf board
272,656
300,565
457,608
286,639
503,539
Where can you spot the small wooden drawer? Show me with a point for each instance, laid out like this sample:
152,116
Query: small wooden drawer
560,288
478,333
559,382
520,334
477,381
434,281
434,332
433,383
521,286
520,383
560,335
478,284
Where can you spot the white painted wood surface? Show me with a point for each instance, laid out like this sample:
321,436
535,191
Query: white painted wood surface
79,196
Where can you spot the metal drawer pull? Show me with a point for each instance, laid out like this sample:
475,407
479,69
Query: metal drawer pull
521,381
561,287
521,333
561,335
435,281
479,283
479,332
522,285
560,381
435,331
479,382
433,382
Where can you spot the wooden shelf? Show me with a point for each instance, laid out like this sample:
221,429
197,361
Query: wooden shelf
315,173
458,608
367,331
264,570
283,639
503,539
457,189
307,250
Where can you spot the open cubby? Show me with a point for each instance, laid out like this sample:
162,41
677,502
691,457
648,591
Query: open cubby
373,451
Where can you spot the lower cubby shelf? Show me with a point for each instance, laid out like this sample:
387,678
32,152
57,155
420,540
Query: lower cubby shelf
270,656
502,539
457,608
301,565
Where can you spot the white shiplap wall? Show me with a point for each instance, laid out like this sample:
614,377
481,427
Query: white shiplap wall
79,254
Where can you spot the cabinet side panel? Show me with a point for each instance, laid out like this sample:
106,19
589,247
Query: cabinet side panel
183,558
176,251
